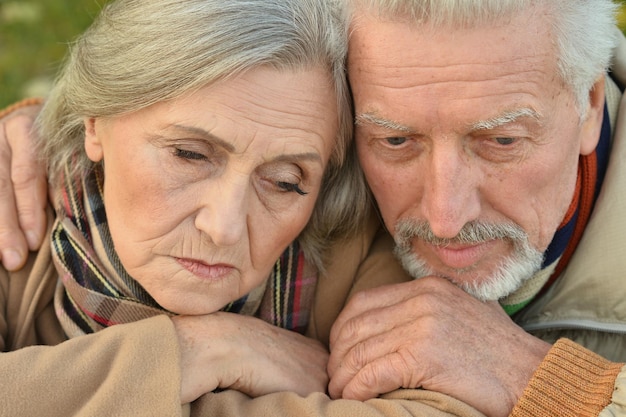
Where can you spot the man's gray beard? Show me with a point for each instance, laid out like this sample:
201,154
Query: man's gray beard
509,275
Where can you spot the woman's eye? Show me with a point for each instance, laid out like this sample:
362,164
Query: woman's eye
505,141
290,187
396,140
185,154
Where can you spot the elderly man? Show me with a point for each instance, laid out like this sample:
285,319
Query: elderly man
490,138
482,130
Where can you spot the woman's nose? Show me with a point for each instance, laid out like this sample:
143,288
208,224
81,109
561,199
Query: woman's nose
223,215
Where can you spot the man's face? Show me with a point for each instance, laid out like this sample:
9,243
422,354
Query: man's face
470,143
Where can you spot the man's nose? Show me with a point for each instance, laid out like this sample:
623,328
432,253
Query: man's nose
451,195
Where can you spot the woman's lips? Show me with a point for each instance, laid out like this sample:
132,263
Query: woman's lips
209,272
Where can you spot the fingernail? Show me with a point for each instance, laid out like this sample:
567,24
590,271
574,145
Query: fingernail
11,259
33,240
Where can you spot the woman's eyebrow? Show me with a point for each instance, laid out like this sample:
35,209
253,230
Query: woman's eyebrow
305,156
196,131
208,136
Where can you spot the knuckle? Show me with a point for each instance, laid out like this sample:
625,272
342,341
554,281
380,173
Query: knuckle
357,357
27,218
6,188
351,330
430,284
377,378
408,363
23,175
359,298
370,377
345,336
8,237
21,123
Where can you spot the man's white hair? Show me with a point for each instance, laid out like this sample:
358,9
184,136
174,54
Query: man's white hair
583,30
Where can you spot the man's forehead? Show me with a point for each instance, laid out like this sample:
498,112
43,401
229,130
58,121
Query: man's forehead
433,64
380,28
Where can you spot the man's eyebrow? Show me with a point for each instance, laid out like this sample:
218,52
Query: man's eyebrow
506,117
208,136
371,118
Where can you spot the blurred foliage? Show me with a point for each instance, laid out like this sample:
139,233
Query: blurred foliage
621,15
34,35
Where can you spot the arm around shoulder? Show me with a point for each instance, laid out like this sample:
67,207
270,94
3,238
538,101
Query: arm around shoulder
23,185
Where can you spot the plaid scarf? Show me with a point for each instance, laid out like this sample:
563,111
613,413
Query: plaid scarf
95,291
591,170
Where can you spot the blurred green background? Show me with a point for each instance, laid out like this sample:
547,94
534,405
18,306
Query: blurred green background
33,40
34,36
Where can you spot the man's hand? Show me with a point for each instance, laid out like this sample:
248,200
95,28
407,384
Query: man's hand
23,189
226,350
429,333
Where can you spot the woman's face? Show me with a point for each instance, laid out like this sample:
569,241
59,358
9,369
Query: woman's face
203,193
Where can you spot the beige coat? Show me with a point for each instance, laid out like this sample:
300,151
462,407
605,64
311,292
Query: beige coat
132,370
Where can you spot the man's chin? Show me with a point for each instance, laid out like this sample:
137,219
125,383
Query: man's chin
504,280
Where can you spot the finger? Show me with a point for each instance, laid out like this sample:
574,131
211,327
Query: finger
383,375
346,370
410,306
355,331
29,180
383,363
402,337
13,246
372,299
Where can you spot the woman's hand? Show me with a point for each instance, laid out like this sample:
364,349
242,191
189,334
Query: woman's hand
23,189
226,350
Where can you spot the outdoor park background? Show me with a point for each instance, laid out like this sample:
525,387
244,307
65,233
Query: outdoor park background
34,36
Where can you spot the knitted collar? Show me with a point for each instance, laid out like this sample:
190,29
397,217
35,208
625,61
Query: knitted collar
591,170
95,291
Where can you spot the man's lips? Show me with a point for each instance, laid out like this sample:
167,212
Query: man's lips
460,256
206,271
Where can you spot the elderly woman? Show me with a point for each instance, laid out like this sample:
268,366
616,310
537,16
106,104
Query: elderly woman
188,144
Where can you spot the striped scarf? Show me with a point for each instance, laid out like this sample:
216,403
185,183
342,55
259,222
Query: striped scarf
95,291
591,170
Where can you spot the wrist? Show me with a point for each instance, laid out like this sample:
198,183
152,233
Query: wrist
571,380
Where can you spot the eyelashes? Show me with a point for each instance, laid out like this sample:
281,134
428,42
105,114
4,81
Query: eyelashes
290,187
190,155
196,156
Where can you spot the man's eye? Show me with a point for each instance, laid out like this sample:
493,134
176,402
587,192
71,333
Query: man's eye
185,154
505,141
290,187
396,140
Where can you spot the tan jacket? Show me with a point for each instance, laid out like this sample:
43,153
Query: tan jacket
132,370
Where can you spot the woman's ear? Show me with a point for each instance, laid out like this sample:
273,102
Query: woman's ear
93,146
592,124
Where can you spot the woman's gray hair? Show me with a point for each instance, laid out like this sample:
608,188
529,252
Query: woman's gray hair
140,52
584,30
